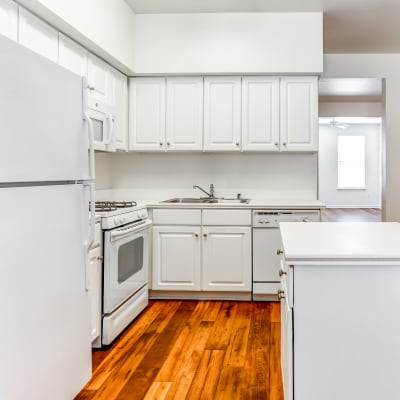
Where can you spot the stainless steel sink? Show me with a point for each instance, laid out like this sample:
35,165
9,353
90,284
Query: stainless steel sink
190,200
204,200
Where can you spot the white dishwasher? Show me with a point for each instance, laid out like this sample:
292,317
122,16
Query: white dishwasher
266,243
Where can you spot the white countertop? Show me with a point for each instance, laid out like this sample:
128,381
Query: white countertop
253,204
311,242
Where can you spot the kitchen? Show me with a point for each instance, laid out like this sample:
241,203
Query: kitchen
148,178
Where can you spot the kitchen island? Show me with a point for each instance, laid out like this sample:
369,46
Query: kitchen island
340,303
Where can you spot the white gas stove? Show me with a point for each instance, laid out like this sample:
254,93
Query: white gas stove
118,213
126,230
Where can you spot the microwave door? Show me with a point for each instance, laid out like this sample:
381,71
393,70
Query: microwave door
98,134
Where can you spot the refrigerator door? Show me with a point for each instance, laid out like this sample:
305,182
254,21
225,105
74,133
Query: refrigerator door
42,128
44,308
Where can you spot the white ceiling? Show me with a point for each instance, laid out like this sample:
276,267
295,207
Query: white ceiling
350,26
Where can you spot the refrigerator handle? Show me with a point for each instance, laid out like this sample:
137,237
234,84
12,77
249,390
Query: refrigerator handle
110,132
90,240
91,147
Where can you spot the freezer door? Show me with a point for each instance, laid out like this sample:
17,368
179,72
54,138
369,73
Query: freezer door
44,308
42,129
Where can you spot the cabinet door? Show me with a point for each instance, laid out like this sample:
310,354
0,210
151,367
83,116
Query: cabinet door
9,19
260,114
37,35
100,81
95,269
226,259
121,111
147,114
72,56
185,113
222,105
176,258
299,113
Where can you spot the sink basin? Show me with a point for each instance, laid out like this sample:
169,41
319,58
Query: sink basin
190,200
205,200
234,201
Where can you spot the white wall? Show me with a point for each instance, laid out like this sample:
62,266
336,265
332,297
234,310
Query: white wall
103,170
155,177
350,109
106,27
378,66
229,43
328,193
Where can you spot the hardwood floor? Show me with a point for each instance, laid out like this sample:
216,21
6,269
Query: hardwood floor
351,215
211,350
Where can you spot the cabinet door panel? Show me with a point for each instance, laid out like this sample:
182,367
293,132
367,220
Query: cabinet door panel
226,259
147,114
222,105
299,114
260,114
9,19
72,56
37,35
100,81
95,268
176,258
121,111
185,113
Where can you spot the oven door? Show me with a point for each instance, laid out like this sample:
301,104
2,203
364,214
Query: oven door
126,262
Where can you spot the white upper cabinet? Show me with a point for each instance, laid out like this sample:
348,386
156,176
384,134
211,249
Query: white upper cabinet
184,129
299,113
121,111
147,114
72,56
222,113
100,81
260,113
37,35
9,19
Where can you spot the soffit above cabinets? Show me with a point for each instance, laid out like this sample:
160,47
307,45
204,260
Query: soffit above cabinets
350,26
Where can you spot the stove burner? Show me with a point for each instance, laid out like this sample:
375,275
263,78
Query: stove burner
113,205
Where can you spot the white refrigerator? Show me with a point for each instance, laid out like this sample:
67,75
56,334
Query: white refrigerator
46,183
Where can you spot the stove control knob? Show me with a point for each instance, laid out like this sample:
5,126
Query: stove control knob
122,220
116,220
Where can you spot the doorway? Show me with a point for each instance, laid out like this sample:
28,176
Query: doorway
351,166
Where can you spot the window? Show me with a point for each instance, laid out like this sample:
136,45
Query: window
351,162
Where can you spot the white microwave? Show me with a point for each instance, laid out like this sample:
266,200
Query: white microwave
103,120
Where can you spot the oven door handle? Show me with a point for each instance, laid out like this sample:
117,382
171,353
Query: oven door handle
137,228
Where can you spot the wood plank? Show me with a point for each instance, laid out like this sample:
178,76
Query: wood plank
142,377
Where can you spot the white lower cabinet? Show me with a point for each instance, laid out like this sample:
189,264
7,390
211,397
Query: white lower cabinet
201,258
226,258
176,258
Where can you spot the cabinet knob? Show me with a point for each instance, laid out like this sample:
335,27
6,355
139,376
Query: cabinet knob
281,294
196,235
161,143
282,272
168,143
100,258
279,252
90,87
284,143
237,144
276,144
205,234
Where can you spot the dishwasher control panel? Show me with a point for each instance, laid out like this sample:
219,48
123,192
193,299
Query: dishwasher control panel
272,218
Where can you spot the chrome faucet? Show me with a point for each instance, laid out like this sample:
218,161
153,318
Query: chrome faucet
209,194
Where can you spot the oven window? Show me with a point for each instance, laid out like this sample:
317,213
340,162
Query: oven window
97,129
130,259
